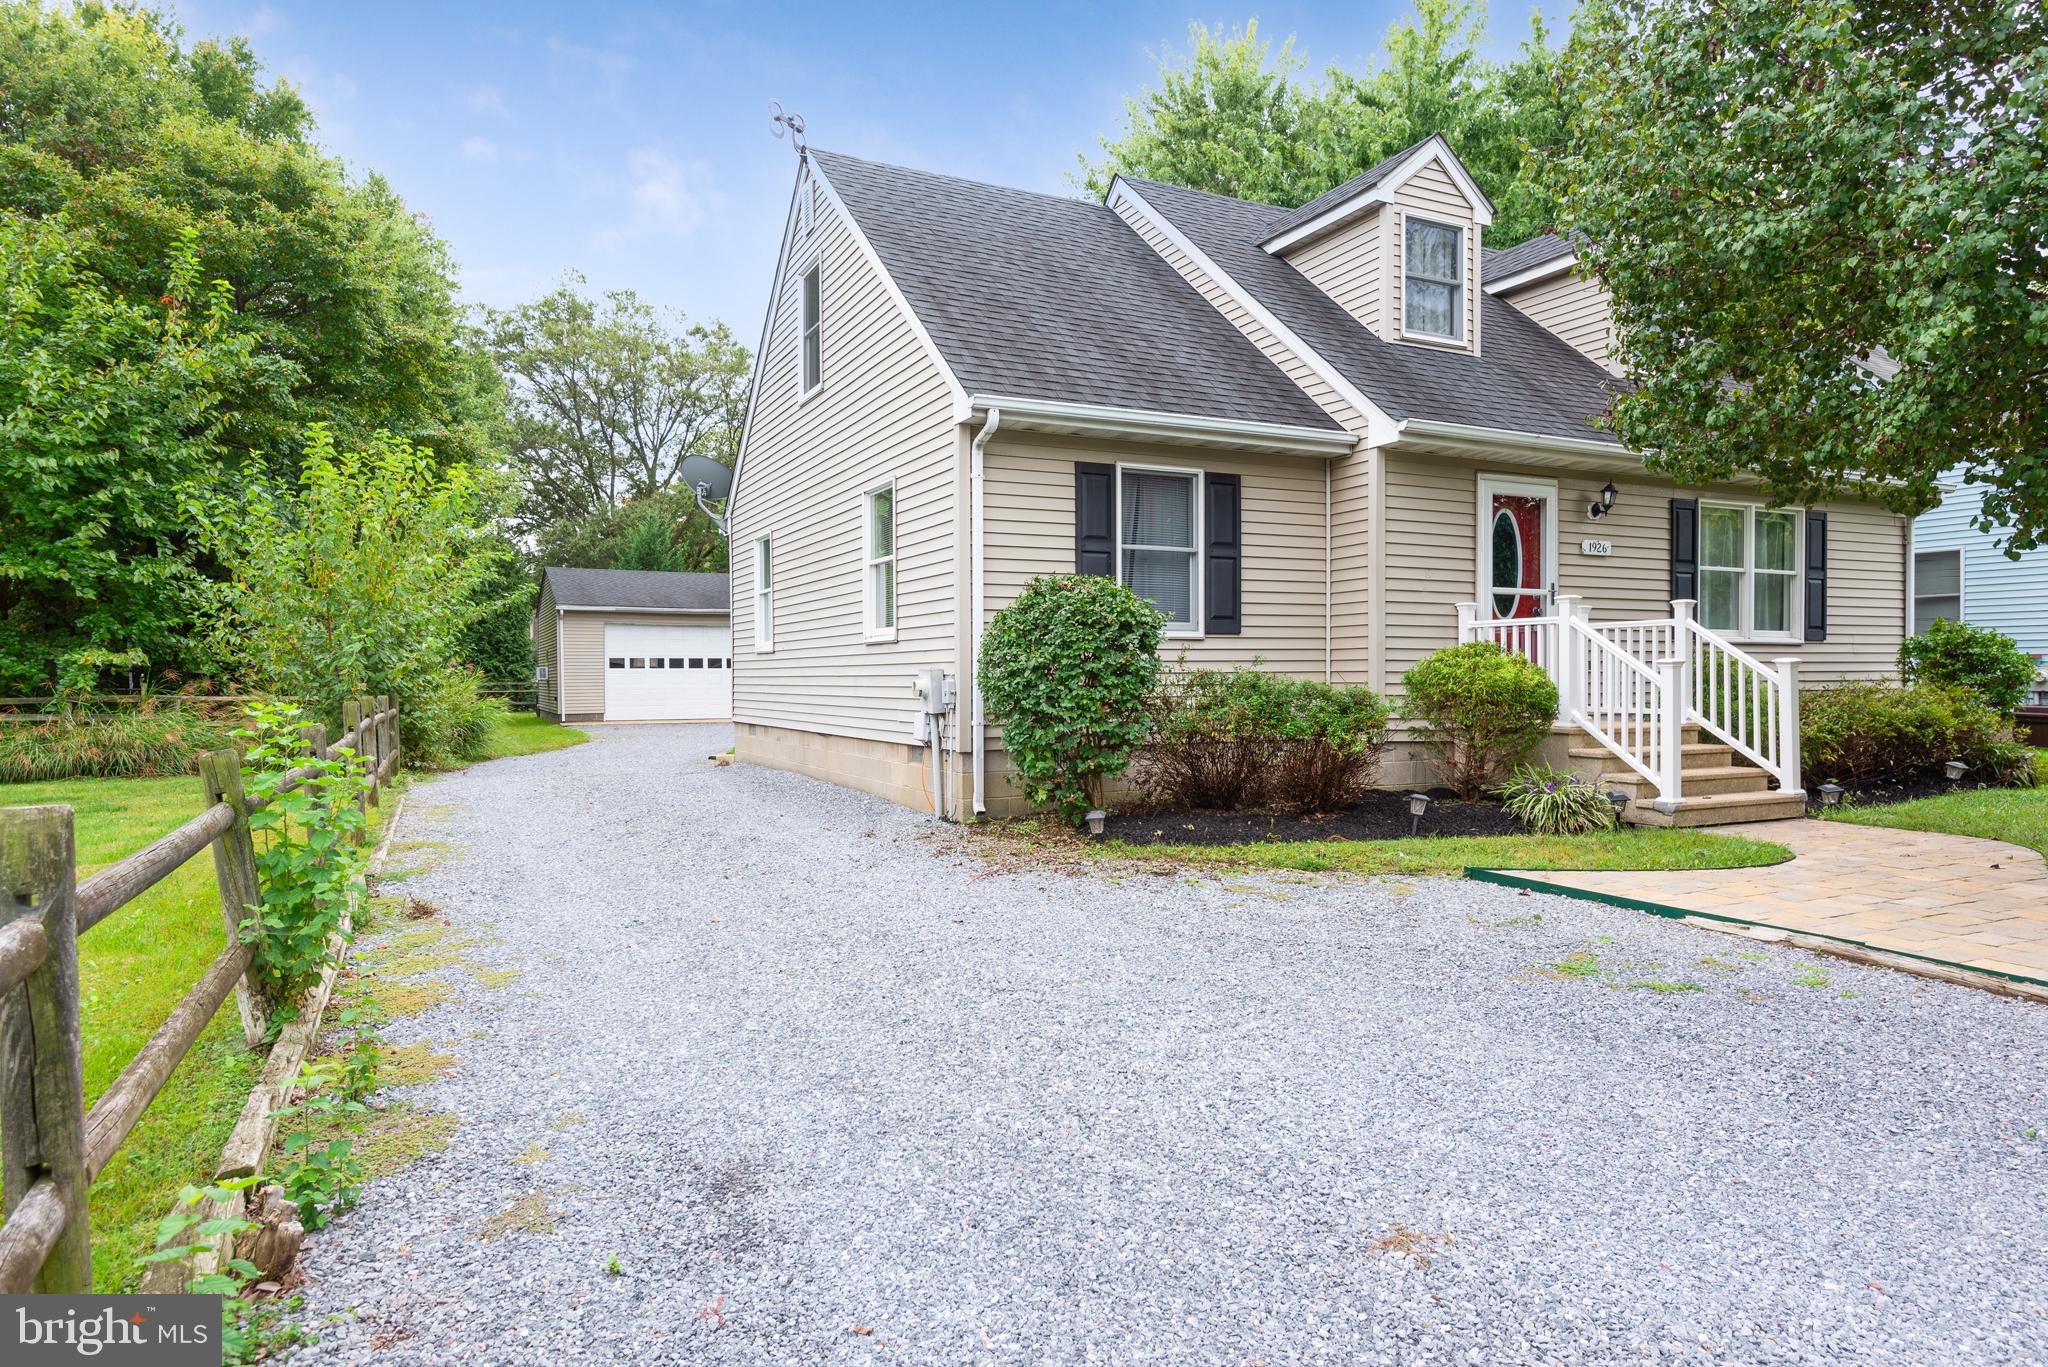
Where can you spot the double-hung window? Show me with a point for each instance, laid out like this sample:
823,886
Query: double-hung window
764,595
1937,587
879,591
1749,569
812,360
1158,542
1433,266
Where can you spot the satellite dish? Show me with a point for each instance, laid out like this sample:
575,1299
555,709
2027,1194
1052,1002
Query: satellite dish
706,477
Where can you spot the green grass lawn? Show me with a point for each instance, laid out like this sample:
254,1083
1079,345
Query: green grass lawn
134,967
2018,816
526,733
1447,856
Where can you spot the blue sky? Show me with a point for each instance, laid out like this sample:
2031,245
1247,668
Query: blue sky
631,142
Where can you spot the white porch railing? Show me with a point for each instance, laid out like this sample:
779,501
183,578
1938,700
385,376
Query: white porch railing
1635,686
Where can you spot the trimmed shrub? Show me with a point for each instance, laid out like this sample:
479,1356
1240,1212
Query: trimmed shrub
108,745
1235,739
1875,734
1331,739
1988,663
1481,709
1065,671
445,720
1555,802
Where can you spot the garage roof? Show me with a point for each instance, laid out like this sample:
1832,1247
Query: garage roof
641,589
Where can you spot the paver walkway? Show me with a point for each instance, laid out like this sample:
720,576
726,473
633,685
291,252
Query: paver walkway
1982,904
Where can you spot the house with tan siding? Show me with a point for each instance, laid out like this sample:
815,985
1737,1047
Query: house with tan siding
1327,439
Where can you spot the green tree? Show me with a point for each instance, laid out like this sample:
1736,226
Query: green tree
132,141
359,577
609,396
658,531
1786,199
498,642
1235,117
107,407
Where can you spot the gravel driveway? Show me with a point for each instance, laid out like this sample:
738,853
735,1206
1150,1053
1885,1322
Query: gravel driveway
844,1096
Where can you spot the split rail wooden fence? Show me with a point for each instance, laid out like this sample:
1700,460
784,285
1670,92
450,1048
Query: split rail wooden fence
53,1146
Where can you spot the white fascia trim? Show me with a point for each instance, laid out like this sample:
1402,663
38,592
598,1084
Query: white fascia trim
1338,214
1136,424
674,612
1500,437
1557,265
1380,427
867,248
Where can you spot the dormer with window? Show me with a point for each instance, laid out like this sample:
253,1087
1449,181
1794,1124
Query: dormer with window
1398,247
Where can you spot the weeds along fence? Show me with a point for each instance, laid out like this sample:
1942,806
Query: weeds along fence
54,1147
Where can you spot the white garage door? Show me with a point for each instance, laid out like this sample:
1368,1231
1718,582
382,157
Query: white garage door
667,673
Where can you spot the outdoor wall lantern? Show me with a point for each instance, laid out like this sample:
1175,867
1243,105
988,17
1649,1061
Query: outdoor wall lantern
1418,804
1955,769
1620,800
1830,794
1599,507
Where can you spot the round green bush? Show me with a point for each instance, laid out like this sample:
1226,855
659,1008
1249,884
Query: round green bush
1868,734
1481,709
1988,663
1065,671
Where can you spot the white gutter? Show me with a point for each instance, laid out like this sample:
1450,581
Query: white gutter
555,674
976,593
684,612
1556,265
1523,441
1134,424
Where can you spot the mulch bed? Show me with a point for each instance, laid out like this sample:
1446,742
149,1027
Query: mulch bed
1379,816
1886,795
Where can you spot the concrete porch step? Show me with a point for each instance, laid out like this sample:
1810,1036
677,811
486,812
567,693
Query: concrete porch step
1692,755
1720,809
1699,781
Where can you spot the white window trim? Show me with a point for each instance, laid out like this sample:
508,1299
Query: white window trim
1961,595
764,596
1461,285
871,632
816,264
1199,599
1795,611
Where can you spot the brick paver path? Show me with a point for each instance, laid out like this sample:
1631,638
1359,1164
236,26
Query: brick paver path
1982,904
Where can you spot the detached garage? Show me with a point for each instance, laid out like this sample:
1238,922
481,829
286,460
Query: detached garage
633,645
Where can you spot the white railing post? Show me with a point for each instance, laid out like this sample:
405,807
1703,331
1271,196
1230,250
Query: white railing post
1788,727
1468,623
1682,648
1670,723
1571,669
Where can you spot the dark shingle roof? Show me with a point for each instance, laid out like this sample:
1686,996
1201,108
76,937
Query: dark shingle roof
637,589
1036,296
1329,199
1516,259
1526,379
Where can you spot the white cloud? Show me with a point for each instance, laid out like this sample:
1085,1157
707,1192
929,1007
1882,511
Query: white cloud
485,99
479,149
665,197
263,23
609,67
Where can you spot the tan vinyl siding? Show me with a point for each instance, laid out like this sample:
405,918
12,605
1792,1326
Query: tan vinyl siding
1029,507
547,692
1352,573
1432,566
582,670
1574,308
1346,266
1431,193
884,411
1256,332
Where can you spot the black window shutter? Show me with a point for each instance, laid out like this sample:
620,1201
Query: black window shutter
1224,519
1094,519
1685,548
1816,576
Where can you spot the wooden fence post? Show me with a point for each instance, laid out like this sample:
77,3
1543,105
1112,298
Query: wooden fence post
374,748
234,869
42,1079
392,706
351,722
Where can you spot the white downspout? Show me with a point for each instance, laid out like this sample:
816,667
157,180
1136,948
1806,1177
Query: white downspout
977,593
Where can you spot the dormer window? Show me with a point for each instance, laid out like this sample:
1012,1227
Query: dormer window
1434,258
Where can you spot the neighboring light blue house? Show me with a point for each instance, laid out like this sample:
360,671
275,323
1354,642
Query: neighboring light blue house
1960,573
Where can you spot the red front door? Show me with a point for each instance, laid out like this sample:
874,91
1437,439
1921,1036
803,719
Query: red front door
1515,543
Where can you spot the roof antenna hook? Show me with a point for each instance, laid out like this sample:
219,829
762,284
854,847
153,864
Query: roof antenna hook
791,122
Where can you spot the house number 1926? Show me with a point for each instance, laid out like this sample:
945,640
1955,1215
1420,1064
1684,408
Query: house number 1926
1596,548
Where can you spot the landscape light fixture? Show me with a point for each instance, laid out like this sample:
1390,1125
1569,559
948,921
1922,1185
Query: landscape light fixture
1600,507
1955,769
1620,801
1095,820
1418,804
1830,794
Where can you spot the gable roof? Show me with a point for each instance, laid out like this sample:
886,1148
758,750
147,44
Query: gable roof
1037,296
1512,261
1526,379
1300,225
1330,199
645,589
